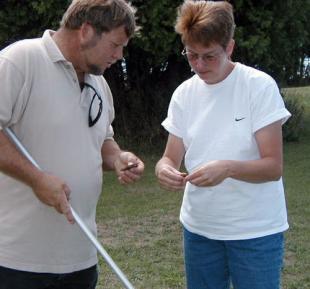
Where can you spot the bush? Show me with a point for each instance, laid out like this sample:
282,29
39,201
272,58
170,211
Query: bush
293,128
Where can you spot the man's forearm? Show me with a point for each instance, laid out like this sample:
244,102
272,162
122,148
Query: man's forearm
14,164
110,152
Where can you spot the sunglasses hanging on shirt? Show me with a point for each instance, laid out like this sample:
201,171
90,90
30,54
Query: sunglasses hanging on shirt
95,106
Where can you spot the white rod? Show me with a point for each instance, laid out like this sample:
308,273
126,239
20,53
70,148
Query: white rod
77,218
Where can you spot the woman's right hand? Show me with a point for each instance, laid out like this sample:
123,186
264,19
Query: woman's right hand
169,178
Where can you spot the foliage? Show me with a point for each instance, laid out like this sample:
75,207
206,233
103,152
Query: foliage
271,35
297,100
274,36
154,68
21,19
268,34
294,127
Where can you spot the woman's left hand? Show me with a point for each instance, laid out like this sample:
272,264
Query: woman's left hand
210,174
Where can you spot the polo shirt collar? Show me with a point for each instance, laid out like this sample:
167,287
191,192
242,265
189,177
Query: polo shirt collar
51,47
56,55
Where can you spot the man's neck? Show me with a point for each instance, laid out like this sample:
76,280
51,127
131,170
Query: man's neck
67,42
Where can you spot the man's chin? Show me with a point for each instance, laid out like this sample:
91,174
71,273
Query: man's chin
95,70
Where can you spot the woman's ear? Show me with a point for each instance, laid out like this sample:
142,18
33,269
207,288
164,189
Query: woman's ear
230,48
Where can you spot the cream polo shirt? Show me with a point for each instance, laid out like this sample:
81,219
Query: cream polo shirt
218,122
40,99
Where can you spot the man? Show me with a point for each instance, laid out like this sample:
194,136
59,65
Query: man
54,98
226,123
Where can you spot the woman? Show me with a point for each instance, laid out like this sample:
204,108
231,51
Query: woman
225,122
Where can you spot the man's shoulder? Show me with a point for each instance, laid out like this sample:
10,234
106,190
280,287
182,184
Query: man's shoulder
21,50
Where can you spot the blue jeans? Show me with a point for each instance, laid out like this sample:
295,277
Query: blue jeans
247,264
84,279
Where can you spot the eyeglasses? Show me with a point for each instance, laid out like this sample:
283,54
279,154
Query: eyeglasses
92,121
206,58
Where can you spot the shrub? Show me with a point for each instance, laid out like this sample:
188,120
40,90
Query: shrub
293,128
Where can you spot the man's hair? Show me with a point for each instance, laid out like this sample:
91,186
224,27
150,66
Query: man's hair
102,15
205,22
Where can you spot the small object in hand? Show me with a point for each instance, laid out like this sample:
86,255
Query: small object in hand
130,166
183,175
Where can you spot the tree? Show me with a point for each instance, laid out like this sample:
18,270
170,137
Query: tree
271,35
153,69
21,19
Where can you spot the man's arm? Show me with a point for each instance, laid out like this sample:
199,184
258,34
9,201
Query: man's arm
49,189
127,166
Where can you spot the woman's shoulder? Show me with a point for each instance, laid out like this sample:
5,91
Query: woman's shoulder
189,84
253,75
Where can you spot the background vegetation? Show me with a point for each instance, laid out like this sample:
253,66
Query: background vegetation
272,35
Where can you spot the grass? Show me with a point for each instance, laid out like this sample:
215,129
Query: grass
139,227
296,177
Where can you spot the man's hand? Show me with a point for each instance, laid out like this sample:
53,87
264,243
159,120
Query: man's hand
128,167
49,189
54,192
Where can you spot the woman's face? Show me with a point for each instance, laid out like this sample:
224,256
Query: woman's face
212,63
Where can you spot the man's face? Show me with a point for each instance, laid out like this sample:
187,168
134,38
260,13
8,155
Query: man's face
99,52
212,63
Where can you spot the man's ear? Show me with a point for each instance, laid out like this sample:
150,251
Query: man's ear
87,33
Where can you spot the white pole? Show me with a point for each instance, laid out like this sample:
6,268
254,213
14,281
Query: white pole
78,220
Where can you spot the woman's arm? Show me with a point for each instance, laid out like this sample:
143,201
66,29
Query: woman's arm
267,168
167,168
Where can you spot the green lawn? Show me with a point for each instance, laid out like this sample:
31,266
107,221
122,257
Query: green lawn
139,226
297,186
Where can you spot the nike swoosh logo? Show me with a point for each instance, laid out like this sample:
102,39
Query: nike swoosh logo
238,119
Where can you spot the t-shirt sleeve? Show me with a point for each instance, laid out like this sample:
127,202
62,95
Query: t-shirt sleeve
174,123
267,106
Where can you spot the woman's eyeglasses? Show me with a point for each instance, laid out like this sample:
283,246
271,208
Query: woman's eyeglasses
98,110
206,58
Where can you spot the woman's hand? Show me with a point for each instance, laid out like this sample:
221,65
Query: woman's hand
169,178
210,174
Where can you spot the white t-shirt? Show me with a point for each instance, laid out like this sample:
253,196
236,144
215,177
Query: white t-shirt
40,99
218,122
